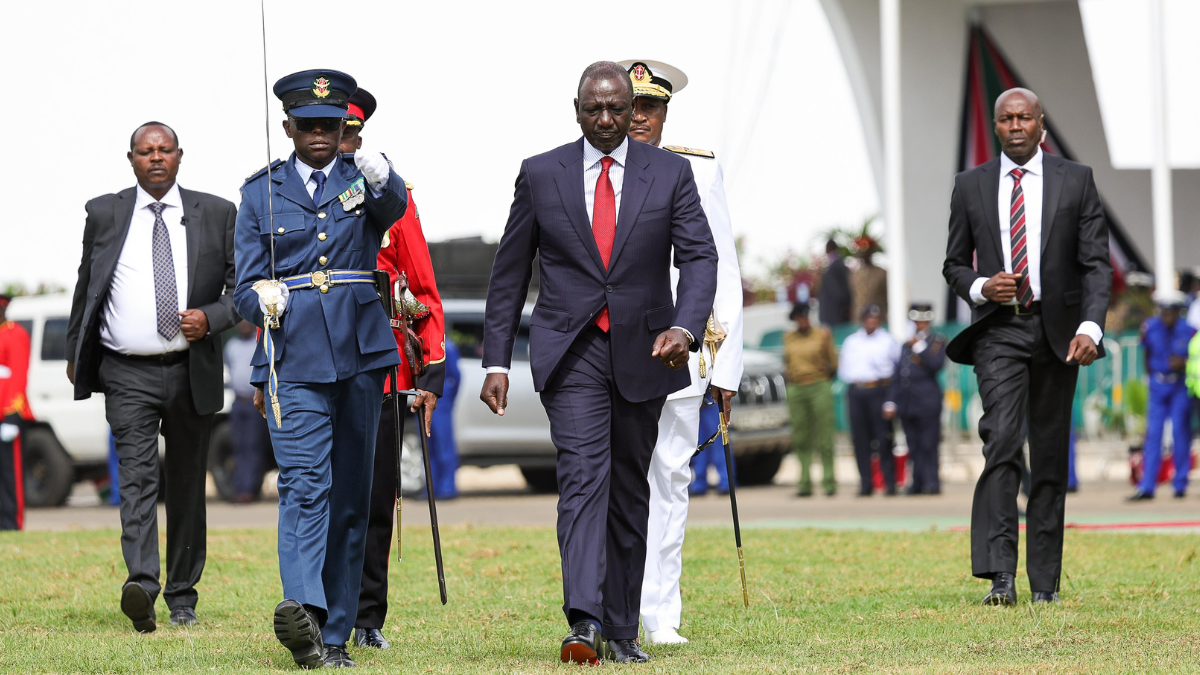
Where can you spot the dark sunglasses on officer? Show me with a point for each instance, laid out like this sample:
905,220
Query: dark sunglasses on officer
310,124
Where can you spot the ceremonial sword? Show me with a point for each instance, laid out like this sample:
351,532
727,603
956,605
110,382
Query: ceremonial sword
270,290
723,428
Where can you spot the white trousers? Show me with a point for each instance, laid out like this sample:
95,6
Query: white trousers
669,477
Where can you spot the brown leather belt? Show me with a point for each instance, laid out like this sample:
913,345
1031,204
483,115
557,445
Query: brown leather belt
872,385
170,358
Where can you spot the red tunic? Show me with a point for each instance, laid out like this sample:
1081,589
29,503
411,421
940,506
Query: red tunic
14,362
406,251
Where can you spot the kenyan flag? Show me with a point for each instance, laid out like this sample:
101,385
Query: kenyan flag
989,74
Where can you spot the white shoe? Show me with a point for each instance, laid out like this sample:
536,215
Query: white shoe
665,636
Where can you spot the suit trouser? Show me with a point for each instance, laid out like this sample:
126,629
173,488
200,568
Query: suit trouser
1021,379
373,590
669,477
1167,400
12,482
605,444
923,433
142,400
251,443
811,410
325,453
872,435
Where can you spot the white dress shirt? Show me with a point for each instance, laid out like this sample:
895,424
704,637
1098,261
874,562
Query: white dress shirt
1031,187
130,323
868,358
305,172
592,168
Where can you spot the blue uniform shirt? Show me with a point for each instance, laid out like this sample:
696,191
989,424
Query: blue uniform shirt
915,389
1162,343
323,337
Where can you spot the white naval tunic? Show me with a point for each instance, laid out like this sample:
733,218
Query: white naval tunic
679,424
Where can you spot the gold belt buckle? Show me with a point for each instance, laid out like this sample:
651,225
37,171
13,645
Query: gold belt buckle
321,281
1021,311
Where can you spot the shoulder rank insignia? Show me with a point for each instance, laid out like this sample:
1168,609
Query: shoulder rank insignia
409,185
256,174
682,150
353,196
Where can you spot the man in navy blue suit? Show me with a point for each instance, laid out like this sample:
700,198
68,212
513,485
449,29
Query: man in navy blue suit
327,359
604,216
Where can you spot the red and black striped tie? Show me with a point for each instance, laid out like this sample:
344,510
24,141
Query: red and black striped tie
1020,257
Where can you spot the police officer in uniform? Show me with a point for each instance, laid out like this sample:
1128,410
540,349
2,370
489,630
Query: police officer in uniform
916,398
324,366
1165,338
403,250
654,84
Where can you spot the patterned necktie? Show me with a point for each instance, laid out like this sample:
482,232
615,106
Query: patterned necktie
604,224
1020,257
166,296
318,178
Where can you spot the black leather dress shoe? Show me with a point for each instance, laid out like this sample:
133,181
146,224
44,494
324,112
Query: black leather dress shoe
582,645
625,651
137,604
1046,596
1003,592
183,616
1180,495
298,630
371,637
1140,496
337,657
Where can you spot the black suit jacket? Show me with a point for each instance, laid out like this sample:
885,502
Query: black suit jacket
209,222
660,216
1076,272
834,298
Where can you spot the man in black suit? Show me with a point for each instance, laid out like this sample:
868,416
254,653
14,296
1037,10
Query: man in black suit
603,215
153,296
1039,297
833,300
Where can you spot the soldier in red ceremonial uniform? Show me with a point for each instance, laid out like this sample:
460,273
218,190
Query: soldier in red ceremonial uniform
403,251
14,410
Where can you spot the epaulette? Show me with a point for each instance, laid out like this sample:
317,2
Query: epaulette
690,151
256,174
408,185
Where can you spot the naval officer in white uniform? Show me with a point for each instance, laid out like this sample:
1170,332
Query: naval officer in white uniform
654,84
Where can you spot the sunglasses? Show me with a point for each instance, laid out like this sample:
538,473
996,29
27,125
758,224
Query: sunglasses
311,124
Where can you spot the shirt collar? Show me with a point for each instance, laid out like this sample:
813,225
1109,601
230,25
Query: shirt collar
592,155
172,198
1033,166
306,171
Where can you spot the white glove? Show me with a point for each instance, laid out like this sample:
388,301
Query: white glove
373,166
276,293
8,432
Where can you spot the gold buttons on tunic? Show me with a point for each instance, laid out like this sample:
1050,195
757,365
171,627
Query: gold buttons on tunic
324,288
322,260
321,214
358,212
321,236
280,230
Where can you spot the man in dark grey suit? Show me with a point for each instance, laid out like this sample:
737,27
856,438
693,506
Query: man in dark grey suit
1039,294
605,216
154,294
833,300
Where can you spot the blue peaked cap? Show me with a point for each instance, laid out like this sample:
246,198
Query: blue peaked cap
315,93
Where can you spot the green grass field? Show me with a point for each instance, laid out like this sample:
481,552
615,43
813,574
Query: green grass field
820,602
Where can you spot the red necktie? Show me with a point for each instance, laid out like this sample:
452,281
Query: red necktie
1019,251
604,225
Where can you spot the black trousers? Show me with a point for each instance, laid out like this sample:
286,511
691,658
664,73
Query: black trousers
143,400
871,434
373,589
12,502
604,444
1021,381
923,431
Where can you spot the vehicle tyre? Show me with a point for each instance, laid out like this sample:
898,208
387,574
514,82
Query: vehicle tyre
759,468
221,462
49,470
542,480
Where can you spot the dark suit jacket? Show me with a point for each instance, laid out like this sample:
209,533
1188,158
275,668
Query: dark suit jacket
209,222
834,298
1076,273
660,214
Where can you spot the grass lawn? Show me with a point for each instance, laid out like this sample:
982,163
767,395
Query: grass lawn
821,601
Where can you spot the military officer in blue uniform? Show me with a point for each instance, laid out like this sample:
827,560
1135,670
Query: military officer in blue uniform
1165,338
323,367
916,398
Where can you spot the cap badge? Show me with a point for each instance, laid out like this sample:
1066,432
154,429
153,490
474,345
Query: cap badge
320,87
639,73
